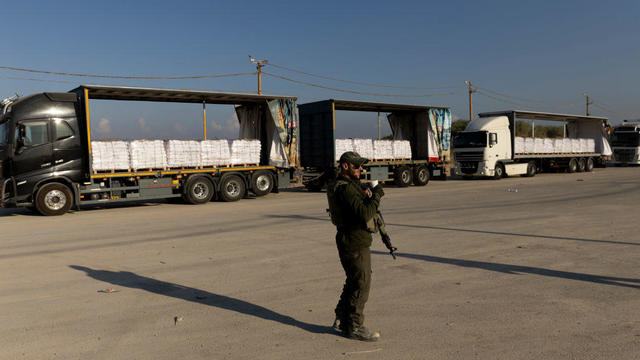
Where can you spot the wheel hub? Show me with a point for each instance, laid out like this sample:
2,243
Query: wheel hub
55,200
233,189
200,191
262,183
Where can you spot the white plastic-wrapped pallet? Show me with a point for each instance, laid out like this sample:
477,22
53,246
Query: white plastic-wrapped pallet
401,149
538,145
584,147
109,155
183,153
575,145
215,152
566,145
342,146
382,149
519,145
557,146
364,147
529,146
244,151
148,154
590,146
99,159
547,146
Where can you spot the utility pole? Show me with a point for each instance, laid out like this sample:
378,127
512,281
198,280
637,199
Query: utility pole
259,65
588,103
471,91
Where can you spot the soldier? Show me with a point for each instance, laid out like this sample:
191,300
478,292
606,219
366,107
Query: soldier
351,208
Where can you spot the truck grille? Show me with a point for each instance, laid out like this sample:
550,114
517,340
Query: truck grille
469,156
468,167
625,155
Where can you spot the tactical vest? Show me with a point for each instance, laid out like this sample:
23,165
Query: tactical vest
336,211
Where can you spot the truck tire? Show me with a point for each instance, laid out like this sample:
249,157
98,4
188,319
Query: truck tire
421,175
199,190
588,166
261,183
53,199
402,176
581,165
572,166
498,171
232,188
531,169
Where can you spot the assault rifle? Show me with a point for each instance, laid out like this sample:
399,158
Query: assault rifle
380,226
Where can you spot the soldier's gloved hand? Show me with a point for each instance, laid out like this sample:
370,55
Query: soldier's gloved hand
378,192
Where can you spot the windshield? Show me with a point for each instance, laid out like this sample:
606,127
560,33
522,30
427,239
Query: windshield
629,139
4,133
476,139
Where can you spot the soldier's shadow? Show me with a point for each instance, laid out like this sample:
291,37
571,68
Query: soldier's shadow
132,280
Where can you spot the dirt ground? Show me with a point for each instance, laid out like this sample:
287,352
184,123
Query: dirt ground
520,268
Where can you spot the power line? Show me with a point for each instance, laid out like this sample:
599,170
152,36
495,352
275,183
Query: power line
599,106
41,80
361,92
525,99
507,101
509,96
523,104
361,83
125,77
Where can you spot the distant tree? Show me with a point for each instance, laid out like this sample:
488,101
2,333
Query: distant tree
387,137
523,128
459,125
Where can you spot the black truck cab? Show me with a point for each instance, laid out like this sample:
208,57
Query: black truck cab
40,143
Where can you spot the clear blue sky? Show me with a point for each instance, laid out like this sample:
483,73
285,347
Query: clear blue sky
546,52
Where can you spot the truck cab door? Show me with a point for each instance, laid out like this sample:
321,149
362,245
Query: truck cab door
33,152
67,149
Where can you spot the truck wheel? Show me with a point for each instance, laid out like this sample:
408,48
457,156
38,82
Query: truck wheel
53,199
403,176
199,190
588,167
232,188
572,166
498,172
581,165
531,169
421,175
261,183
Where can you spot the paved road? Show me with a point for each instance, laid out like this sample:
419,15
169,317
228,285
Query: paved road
484,272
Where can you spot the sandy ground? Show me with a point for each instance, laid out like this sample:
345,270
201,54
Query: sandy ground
484,272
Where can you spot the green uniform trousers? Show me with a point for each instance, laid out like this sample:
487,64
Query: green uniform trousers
357,266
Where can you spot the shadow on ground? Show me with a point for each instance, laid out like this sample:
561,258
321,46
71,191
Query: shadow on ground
551,237
519,270
135,281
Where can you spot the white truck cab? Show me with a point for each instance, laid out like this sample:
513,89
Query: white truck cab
484,148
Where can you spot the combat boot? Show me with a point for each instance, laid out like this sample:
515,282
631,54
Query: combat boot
362,333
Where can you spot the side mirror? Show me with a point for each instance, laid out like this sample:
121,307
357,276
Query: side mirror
493,139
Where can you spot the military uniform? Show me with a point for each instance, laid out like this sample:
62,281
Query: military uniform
350,210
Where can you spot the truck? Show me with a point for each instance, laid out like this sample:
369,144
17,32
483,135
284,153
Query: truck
426,129
490,147
625,141
46,151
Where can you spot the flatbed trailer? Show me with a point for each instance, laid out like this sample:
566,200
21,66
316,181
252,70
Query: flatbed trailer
58,174
414,123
